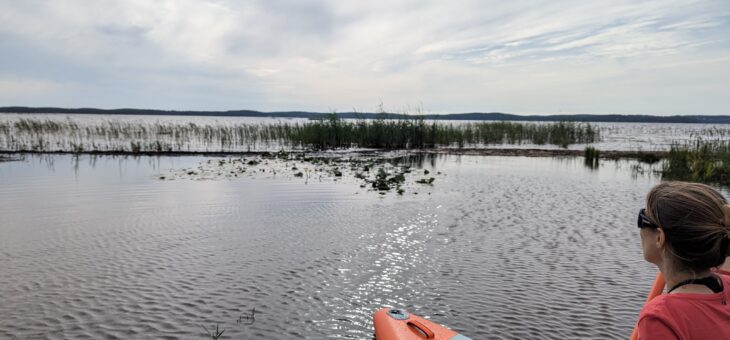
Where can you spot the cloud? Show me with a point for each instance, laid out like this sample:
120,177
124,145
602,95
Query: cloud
28,88
545,56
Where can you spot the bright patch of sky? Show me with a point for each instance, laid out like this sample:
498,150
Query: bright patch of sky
526,57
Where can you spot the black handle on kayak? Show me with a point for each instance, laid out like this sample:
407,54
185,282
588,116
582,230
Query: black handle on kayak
421,329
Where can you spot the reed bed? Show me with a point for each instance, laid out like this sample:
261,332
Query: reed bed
39,135
700,160
418,134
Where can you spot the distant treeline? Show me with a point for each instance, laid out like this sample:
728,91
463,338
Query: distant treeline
697,119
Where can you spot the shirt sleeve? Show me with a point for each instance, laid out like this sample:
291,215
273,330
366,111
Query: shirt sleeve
654,328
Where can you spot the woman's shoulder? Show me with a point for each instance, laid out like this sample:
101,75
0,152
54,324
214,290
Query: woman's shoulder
688,315
657,307
656,321
676,307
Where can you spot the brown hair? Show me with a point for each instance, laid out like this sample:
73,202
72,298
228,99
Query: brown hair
696,221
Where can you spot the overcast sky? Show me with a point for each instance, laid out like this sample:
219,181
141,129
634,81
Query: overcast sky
526,57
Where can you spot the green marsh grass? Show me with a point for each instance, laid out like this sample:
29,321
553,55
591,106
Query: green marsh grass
699,160
32,134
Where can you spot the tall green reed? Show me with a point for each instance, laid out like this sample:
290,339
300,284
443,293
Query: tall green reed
33,134
699,160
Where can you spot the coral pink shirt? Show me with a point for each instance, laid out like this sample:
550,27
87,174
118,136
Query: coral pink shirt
687,316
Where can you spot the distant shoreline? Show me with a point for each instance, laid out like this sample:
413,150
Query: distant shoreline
494,116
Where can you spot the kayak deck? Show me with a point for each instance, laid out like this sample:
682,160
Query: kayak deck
397,324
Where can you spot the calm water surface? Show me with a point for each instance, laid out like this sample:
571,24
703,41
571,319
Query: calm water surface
498,248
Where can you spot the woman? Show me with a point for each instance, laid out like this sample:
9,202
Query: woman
685,231
725,269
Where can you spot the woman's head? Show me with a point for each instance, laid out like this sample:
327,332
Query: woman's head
695,222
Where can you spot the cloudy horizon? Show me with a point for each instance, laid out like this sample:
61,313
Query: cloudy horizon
536,57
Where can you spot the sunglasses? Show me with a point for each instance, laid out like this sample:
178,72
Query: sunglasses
645,222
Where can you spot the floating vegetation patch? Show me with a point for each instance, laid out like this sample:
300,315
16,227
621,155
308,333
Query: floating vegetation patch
373,174
44,135
426,180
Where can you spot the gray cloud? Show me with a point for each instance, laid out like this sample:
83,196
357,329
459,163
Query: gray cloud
658,57
124,35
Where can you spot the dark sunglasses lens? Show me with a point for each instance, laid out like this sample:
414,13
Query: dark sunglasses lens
643,221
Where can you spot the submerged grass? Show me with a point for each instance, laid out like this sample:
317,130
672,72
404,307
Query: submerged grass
30,134
699,160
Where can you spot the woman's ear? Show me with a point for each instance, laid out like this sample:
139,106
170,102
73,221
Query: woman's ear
661,238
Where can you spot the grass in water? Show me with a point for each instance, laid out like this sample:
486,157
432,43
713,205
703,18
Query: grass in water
591,156
214,335
700,161
418,134
31,134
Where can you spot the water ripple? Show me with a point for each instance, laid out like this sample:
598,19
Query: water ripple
502,248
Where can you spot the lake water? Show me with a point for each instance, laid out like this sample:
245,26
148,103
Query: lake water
497,248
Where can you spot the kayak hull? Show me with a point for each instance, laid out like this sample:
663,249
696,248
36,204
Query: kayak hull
397,324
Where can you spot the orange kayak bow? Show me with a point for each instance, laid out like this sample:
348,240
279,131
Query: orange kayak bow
397,324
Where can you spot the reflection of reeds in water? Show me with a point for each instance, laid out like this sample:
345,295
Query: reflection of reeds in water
699,160
135,137
591,156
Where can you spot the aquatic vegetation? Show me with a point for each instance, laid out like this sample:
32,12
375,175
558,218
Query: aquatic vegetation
699,160
214,334
426,180
41,135
418,134
591,156
381,180
388,175
384,181
648,157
